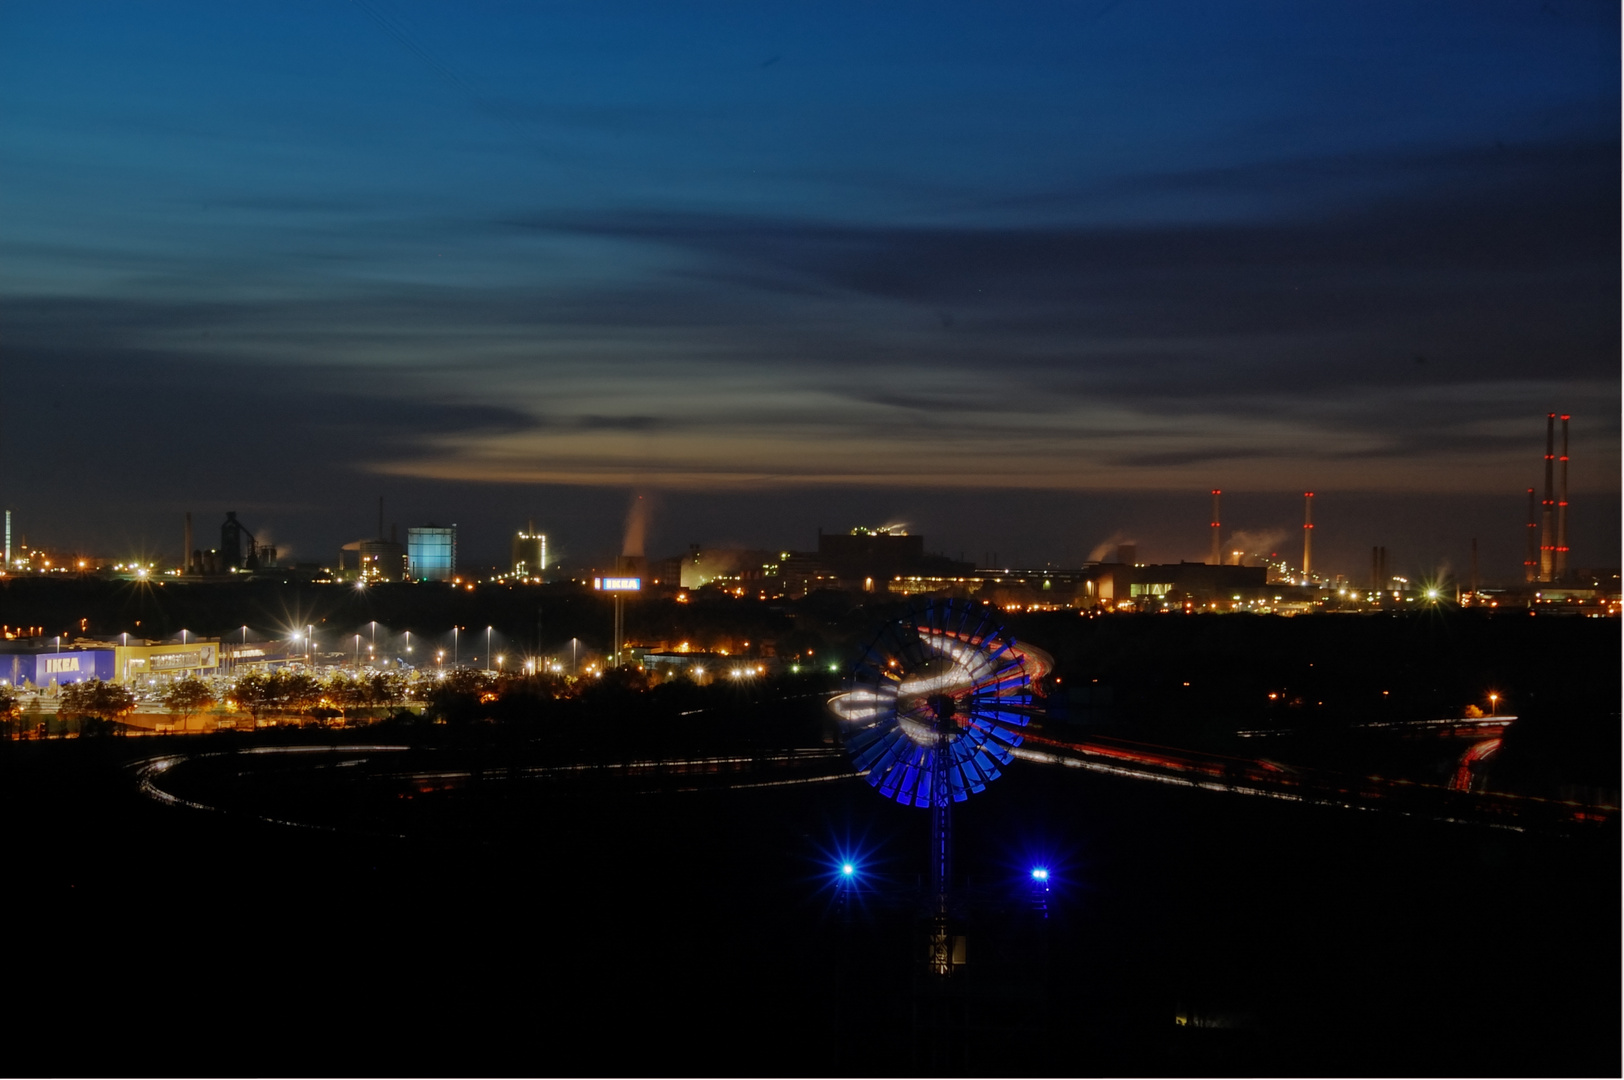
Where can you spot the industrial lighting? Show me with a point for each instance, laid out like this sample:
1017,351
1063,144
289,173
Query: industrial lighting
1040,873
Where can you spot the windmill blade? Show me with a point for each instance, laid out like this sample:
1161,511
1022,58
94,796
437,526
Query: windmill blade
942,679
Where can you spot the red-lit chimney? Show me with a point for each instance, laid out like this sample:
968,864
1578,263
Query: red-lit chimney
1562,509
1308,536
1531,559
1547,516
1217,552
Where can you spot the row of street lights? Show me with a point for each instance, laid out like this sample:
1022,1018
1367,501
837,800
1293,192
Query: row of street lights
309,640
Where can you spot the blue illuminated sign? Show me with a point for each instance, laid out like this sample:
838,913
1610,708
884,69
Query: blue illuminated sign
618,584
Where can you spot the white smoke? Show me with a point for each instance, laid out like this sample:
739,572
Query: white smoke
1106,550
636,527
1259,543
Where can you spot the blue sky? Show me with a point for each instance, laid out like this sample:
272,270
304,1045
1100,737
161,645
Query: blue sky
515,261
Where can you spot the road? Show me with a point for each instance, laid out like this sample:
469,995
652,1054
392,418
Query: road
1268,779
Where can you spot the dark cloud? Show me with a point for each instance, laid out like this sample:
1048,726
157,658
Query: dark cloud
1505,270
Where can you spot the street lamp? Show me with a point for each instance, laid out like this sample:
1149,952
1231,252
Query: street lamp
456,649
357,654
487,648
1494,701
310,646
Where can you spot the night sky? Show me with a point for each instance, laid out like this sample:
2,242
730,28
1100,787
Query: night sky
1030,278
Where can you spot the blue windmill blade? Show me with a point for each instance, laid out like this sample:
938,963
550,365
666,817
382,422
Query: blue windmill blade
945,652
892,778
882,751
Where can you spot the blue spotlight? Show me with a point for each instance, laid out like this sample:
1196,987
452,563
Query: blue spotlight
847,870
1040,873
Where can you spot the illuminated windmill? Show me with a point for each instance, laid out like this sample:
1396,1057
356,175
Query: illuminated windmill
931,709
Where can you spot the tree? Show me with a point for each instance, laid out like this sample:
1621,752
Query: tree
296,691
10,711
255,692
344,693
385,688
186,698
96,705
461,695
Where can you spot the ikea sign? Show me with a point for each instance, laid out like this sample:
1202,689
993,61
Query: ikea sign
618,584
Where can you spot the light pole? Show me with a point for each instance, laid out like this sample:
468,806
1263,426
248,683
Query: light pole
358,654
456,648
573,642
1494,701
238,662
487,648
310,646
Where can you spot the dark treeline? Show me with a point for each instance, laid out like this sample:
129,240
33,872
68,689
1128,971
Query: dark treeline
619,717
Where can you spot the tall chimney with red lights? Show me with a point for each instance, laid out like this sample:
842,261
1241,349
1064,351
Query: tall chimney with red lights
1217,551
1531,558
1562,509
1547,515
1308,536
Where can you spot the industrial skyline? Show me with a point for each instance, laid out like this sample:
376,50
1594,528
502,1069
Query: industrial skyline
1546,532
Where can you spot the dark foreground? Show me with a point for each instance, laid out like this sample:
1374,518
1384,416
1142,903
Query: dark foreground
532,929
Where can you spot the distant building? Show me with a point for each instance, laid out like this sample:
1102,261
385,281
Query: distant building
373,561
869,557
431,553
530,555
1115,583
139,662
727,566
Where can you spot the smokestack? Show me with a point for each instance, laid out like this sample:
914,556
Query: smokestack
380,517
1217,551
186,552
1562,509
8,541
1531,557
1547,515
1308,536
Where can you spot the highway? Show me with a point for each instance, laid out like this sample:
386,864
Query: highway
1267,779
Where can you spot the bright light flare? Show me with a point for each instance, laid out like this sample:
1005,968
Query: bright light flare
1040,873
